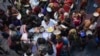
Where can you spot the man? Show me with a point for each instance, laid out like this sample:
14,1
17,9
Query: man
4,48
48,22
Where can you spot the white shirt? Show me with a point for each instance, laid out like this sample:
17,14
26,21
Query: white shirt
50,24
24,38
31,30
93,26
46,35
23,29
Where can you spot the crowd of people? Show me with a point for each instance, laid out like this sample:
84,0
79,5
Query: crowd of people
47,28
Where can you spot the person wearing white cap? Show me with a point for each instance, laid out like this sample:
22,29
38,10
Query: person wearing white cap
34,3
96,14
88,32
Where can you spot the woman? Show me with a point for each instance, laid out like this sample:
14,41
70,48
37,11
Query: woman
76,18
23,27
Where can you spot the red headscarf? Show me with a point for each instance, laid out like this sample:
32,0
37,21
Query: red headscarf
66,7
36,10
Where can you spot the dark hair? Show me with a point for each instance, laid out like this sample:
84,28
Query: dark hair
5,35
50,50
1,12
30,35
41,41
93,19
46,18
15,37
1,26
24,21
90,36
29,52
9,7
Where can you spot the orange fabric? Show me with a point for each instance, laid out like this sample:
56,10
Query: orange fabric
87,24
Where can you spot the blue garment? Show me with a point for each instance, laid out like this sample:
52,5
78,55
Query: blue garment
97,39
44,10
82,34
90,7
65,41
16,22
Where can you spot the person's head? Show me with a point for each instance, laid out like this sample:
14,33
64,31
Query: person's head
76,14
89,34
82,34
93,20
29,52
41,41
82,12
46,18
30,35
36,10
9,7
59,40
53,38
66,15
15,37
24,21
5,35
13,10
72,31
95,16
1,12
1,27
12,27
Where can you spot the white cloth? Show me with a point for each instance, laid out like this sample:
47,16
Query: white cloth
56,15
95,5
50,24
34,3
24,38
88,32
46,35
31,30
23,29
93,26
36,36
19,16
27,55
